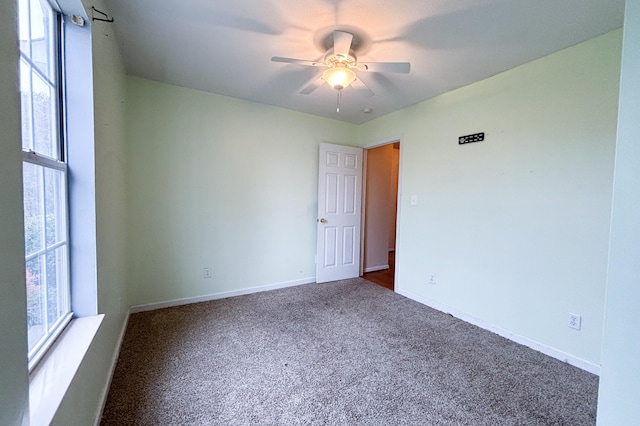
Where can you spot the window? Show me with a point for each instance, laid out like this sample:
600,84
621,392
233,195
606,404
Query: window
44,175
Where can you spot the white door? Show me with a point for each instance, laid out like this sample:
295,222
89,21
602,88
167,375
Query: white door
339,204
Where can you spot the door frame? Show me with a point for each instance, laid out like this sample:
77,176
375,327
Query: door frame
366,148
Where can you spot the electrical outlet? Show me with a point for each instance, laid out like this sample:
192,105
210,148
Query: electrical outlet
432,278
575,321
207,272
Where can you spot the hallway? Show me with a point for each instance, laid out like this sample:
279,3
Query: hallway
384,278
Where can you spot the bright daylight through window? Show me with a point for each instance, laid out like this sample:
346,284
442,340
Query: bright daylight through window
44,175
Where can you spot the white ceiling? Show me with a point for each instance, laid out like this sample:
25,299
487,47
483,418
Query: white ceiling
225,46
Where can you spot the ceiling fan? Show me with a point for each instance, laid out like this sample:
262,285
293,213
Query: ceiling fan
341,62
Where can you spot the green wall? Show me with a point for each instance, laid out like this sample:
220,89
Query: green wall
83,401
13,306
220,183
619,402
515,228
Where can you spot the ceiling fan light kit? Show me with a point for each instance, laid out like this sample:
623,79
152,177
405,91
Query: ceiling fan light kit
339,76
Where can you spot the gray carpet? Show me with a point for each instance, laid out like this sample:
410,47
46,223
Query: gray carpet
342,353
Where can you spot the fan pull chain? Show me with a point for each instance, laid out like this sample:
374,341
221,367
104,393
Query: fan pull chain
339,96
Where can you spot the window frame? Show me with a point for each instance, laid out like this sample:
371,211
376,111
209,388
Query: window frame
59,164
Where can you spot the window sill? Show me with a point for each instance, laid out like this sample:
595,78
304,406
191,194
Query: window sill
49,381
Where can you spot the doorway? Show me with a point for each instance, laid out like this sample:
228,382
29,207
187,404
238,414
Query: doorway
380,206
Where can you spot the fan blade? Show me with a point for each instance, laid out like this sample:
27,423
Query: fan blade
312,86
298,61
397,67
342,43
362,88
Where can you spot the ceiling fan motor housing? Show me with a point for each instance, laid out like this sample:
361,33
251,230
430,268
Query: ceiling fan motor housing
331,59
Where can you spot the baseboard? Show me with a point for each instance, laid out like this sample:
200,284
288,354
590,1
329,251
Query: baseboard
376,268
530,343
222,295
114,362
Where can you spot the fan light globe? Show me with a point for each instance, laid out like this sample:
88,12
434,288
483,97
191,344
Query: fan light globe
339,77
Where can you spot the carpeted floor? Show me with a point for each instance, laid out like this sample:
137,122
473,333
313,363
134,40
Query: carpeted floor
342,353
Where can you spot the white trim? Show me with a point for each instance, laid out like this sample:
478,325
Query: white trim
50,380
40,350
386,141
223,295
112,369
397,257
363,208
376,268
43,161
530,343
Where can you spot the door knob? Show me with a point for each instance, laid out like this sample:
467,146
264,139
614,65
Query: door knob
323,220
